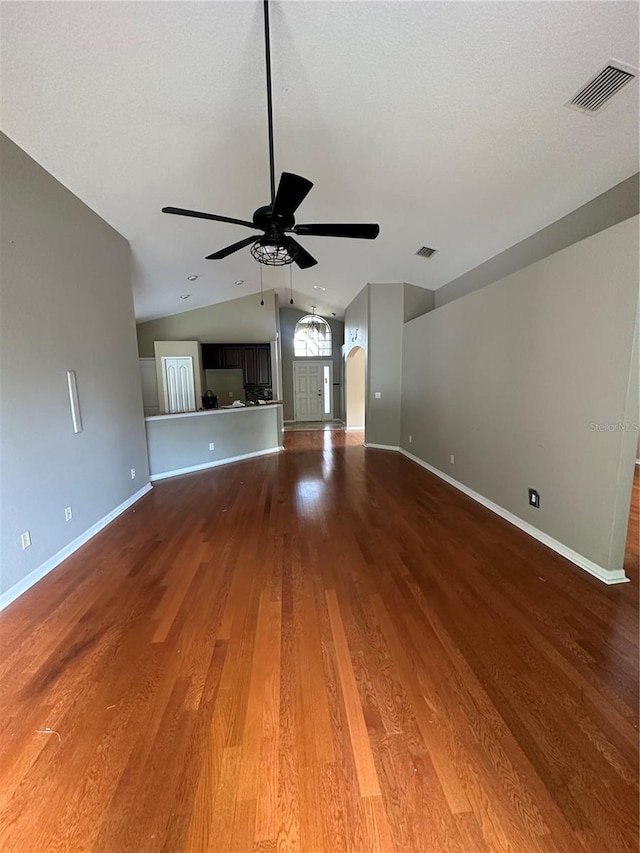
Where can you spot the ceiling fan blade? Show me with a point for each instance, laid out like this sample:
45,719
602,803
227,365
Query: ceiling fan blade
198,215
302,258
362,231
229,250
292,189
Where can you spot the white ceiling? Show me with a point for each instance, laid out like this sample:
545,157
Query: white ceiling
442,121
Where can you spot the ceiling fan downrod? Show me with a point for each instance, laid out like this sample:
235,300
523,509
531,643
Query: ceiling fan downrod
267,54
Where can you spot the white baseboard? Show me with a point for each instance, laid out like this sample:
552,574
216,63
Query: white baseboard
37,574
165,474
637,461
608,577
350,429
381,446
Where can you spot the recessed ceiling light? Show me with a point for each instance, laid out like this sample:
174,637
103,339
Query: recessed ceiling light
318,287
239,281
192,277
185,295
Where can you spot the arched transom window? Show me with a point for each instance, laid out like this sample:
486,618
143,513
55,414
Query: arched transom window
312,337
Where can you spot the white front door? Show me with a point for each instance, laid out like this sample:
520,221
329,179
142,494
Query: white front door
313,390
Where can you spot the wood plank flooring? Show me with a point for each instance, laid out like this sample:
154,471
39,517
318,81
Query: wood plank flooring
325,650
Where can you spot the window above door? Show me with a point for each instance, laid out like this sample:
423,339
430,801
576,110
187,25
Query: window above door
312,337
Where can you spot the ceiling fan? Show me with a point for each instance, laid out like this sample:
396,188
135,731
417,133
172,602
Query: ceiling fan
276,219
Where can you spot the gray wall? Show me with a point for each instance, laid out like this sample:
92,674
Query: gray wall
356,321
374,321
288,319
176,443
512,378
384,364
417,301
66,304
615,205
239,321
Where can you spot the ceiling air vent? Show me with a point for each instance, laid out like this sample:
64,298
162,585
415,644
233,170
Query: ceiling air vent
425,252
602,87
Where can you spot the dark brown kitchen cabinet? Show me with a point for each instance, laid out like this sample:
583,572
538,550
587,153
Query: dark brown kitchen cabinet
249,365
222,356
210,356
253,359
257,364
263,365
231,357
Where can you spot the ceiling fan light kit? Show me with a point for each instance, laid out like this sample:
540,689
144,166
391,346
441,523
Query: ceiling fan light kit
276,220
273,254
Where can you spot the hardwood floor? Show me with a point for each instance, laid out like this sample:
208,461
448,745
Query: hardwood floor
308,426
325,650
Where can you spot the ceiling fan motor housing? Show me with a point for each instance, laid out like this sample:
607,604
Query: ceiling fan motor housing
272,225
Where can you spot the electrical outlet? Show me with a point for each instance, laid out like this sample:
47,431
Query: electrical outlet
534,498
133,473
25,539
452,459
68,514
410,439
212,445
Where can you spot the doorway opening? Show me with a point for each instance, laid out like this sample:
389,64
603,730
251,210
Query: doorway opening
355,390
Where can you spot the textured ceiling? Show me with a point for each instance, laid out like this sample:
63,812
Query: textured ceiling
442,121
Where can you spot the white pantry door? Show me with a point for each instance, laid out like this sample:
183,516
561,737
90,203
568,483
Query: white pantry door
179,389
313,390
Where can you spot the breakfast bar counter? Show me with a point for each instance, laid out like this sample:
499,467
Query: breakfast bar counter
182,442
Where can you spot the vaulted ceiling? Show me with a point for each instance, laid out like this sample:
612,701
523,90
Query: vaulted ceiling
443,121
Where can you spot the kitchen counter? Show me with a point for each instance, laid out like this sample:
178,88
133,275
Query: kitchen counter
183,442
220,411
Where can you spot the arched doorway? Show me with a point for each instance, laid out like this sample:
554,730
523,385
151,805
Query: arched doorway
355,390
